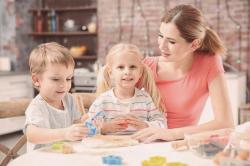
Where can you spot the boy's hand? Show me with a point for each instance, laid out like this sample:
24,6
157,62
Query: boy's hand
84,118
75,132
114,125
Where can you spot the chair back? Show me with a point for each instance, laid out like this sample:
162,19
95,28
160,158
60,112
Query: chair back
11,153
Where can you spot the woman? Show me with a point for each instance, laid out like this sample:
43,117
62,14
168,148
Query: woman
187,72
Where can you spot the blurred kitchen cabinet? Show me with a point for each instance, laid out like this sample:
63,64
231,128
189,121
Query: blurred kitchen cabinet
72,23
236,83
15,86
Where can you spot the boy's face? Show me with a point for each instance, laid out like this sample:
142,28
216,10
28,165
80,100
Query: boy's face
54,82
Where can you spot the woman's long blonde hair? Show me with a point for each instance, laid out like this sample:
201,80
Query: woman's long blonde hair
146,81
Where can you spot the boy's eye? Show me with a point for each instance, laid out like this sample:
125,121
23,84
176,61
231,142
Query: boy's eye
55,79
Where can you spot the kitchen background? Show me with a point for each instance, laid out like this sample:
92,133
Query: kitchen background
135,21
98,24
90,27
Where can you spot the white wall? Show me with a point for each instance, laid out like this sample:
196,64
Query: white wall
236,83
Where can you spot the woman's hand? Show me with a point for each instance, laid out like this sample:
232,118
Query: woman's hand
151,134
114,125
75,132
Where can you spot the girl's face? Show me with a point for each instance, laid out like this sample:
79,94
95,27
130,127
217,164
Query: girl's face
126,70
172,46
54,82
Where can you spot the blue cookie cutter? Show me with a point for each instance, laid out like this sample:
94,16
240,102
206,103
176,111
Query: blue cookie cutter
92,128
112,160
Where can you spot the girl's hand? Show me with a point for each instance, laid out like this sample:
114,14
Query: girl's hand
114,125
151,134
75,132
136,123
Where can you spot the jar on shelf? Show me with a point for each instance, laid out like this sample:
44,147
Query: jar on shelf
39,22
54,21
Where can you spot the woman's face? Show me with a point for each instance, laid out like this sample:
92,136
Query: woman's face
172,46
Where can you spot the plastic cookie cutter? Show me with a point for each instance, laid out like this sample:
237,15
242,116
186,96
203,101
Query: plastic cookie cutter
160,161
89,124
92,129
112,160
155,161
176,164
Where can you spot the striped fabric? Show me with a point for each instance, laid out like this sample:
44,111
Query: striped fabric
140,106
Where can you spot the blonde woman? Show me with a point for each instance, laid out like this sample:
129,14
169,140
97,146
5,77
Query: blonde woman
126,108
187,72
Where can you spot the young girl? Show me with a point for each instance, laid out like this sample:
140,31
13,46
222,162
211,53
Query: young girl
51,114
126,108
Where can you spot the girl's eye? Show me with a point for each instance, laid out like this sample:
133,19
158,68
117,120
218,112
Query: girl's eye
133,67
120,67
69,79
55,79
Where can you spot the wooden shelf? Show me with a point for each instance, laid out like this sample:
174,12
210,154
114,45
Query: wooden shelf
83,12
63,9
60,33
86,57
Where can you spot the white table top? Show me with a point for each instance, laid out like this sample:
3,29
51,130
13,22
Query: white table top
132,156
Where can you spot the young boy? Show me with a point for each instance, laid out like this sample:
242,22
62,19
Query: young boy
51,114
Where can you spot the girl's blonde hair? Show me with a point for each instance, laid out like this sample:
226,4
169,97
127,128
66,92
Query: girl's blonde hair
146,81
49,53
191,25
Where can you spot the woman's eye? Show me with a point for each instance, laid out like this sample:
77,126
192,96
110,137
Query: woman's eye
160,35
55,79
172,42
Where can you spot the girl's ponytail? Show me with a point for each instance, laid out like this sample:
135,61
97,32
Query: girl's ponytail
148,83
103,80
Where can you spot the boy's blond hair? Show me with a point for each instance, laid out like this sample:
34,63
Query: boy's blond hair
49,53
146,81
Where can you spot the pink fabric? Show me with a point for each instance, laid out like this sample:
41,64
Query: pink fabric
185,98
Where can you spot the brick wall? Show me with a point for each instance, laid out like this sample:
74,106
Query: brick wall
215,11
7,30
24,25
133,29
14,41
129,29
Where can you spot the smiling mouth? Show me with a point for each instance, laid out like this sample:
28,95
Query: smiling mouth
60,92
125,79
164,54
